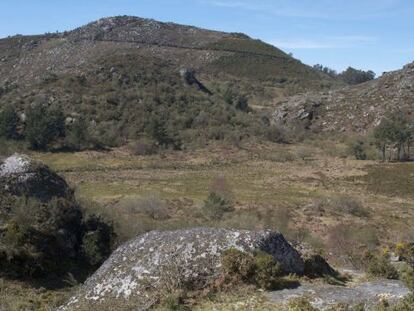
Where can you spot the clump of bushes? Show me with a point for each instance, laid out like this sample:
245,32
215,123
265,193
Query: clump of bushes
380,266
259,269
40,239
357,149
43,126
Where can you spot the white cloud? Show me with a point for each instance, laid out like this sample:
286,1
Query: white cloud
328,42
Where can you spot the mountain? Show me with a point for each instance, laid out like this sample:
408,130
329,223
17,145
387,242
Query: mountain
25,59
130,76
352,109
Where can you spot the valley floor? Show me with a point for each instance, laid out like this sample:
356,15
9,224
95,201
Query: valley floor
311,192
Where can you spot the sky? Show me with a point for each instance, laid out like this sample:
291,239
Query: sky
366,34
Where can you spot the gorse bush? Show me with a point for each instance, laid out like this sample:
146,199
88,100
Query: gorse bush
379,266
259,269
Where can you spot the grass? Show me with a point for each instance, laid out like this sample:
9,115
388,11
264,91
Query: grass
274,186
17,296
264,178
396,180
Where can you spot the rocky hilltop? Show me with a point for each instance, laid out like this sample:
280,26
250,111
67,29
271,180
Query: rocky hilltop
140,267
356,109
29,60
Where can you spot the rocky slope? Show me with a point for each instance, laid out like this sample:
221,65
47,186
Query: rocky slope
356,109
138,269
51,66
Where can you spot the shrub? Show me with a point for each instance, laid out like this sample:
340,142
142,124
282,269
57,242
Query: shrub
357,149
406,251
380,266
8,122
216,206
78,136
238,266
267,272
300,304
407,276
151,205
48,238
259,269
277,134
97,240
43,126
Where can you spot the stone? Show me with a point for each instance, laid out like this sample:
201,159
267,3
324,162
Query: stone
191,255
324,296
22,176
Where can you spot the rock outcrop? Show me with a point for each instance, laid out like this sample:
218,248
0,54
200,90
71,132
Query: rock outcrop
188,256
358,108
22,176
327,297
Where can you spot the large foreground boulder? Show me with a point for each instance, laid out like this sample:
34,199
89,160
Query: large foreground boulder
129,278
22,176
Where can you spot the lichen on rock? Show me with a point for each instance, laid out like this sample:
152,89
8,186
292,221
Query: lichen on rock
193,256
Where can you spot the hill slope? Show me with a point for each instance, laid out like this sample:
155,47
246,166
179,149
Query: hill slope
130,76
25,58
356,109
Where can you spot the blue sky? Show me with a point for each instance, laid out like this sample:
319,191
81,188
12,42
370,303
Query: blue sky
367,34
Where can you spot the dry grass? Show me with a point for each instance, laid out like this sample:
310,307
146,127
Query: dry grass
272,186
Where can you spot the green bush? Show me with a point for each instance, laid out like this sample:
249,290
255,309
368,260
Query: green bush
51,238
78,136
43,126
8,122
97,240
215,206
267,272
277,134
238,265
260,269
379,266
357,149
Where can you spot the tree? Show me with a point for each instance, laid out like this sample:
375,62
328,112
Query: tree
326,70
43,126
8,122
397,131
354,76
